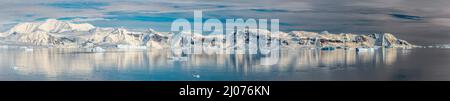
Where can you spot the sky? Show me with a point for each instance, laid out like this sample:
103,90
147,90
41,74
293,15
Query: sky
422,22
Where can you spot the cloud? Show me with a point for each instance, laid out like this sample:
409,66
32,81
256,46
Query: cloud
270,10
83,19
441,21
407,17
410,19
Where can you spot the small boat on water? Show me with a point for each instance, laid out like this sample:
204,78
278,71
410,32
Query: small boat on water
327,48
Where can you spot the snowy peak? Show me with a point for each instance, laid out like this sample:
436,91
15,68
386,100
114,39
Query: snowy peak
24,28
54,26
50,26
117,36
42,33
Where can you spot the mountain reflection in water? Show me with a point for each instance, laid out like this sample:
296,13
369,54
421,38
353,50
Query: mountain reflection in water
294,64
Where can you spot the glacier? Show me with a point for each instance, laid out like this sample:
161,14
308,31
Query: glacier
53,33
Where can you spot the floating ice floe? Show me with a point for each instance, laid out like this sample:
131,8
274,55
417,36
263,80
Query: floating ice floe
378,47
16,67
438,46
178,58
131,47
212,50
361,49
196,75
349,48
445,46
27,49
4,46
327,48
98,49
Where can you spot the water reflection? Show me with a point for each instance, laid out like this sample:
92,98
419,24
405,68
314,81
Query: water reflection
76,64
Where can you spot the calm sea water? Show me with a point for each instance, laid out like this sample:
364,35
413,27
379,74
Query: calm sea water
158,65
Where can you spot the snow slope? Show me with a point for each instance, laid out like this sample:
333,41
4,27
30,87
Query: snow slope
50,26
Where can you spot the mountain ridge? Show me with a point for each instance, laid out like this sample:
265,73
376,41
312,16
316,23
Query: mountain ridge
64,34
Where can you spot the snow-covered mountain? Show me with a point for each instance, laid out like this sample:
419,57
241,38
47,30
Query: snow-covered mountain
64,34
44,33
50,26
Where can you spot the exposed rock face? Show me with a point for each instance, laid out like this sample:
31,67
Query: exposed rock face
347,40
157,40
392,41
116,36
65,34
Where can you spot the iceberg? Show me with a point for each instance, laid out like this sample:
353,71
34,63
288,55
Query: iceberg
4,46
363,49
16,67
446,46
131,47
327,48
29,49
174,58
97,49
440,46
26,48
196,76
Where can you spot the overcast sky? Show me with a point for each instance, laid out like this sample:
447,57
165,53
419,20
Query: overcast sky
421,22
